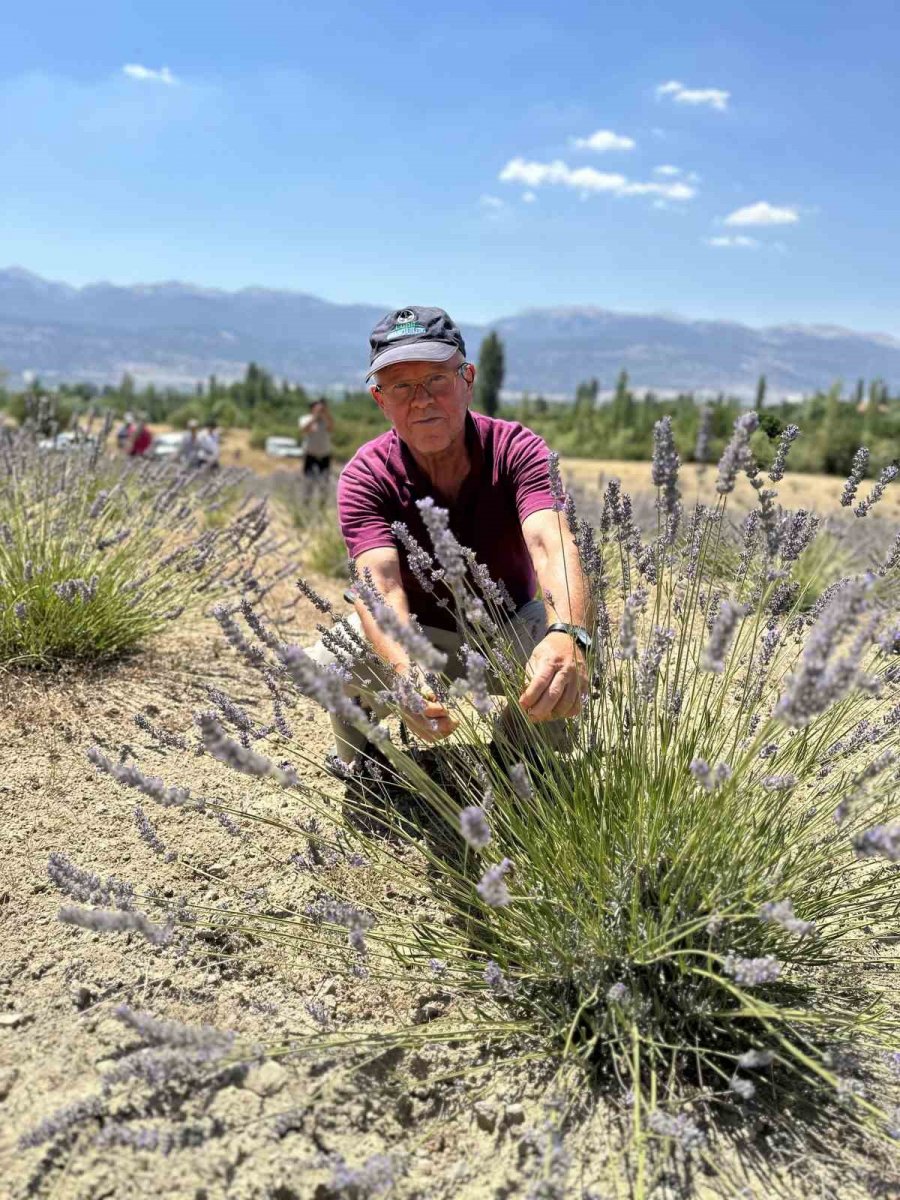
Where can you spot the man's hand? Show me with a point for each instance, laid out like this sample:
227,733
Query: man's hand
557,679
434,723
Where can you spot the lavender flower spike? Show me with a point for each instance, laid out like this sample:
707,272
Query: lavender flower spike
492,887
781,912
104,920
474,827
788,435
665,465
713,656
736,456
882,840
891,471
857,471
447,549
752,972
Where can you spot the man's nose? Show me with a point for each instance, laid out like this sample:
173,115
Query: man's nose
420,394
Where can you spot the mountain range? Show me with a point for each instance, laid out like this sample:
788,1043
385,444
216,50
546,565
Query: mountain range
178,333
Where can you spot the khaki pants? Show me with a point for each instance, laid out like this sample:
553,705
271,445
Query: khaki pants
526,628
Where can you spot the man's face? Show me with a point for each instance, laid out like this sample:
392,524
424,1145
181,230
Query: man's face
428,423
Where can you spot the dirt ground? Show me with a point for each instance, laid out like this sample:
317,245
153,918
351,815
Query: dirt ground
454,1123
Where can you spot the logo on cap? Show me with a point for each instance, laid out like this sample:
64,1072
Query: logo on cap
406,326
406,315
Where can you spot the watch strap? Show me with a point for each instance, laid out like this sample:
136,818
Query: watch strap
578,632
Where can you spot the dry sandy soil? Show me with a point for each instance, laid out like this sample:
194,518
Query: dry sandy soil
457,1124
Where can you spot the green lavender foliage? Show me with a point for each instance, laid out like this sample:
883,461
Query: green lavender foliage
688,897
99,553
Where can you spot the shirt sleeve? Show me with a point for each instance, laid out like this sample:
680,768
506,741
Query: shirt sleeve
362,510
527,465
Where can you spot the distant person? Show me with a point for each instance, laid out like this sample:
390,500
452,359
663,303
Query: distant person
316,429
140,438
123,433
189,450
209,446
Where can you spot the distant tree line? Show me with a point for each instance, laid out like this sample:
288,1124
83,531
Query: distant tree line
619,427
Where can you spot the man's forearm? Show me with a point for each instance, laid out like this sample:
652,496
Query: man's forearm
559,573
385,647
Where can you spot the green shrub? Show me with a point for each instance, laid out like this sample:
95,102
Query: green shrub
98,553
684,897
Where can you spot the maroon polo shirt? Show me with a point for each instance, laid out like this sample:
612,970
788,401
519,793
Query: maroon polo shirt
508,481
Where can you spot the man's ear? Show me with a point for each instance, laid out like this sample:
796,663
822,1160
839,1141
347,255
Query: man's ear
375,393
470,374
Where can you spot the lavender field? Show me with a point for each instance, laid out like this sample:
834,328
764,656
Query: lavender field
656,961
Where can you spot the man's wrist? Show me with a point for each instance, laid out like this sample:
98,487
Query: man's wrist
578,633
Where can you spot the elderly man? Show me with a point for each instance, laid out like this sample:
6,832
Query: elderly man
492,477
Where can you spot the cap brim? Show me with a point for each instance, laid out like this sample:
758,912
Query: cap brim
414,352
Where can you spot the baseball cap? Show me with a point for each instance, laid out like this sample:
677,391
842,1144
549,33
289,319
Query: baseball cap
413,334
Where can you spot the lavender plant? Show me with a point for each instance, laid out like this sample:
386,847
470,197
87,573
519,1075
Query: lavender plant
97,553
694,885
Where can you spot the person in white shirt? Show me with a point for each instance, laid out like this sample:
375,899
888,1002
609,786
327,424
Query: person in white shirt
189,450
316,429
208,444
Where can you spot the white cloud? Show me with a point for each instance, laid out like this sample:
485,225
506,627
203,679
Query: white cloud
587,180
714,97
762,213
528,197
604,139
147,74
667,169
738,240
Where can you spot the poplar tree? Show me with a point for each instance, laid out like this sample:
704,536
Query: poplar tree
489,380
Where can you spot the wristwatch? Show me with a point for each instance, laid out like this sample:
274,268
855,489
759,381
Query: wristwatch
578,632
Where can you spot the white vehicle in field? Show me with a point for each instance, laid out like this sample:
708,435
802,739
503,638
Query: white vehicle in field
166,445
67,440
283,447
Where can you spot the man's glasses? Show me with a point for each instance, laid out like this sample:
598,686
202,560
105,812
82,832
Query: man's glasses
436,386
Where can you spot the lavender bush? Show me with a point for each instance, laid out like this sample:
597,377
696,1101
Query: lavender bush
684,898
97,553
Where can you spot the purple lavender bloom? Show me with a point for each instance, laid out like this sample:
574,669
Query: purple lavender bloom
494,977
437,966
634,604
447,549
680,1128
788,436
474,827
752,972
338,912
665,464
857,471
865,506
648,667
724,626
781,912
86,888
779,783
736,456
239,758
492,887
174,1033
20,610
704,428
753,1059
62,1122
618,993
818,682
519,778
148,832
880,841
744,1088
103,920
420,563
557,491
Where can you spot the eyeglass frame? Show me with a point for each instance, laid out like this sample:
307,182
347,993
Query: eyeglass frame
459,371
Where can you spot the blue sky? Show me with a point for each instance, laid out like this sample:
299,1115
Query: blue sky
484,158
